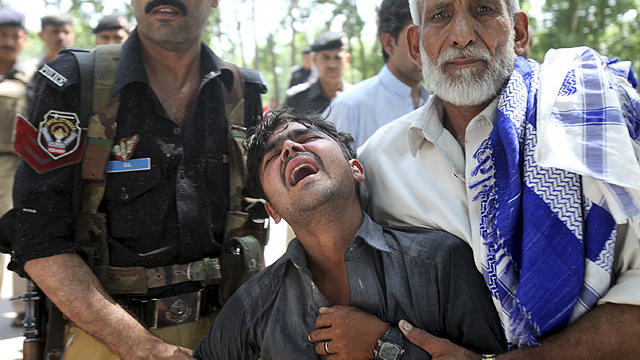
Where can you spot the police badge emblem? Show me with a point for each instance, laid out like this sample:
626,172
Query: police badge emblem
59,133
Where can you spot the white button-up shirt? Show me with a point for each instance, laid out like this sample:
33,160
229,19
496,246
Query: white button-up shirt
416,175
370,104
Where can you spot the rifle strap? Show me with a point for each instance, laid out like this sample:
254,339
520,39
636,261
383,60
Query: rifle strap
53,347
236,133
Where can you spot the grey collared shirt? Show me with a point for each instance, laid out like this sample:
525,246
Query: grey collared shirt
424,276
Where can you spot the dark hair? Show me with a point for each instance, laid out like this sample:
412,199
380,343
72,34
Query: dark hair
393,15
256,141
56,20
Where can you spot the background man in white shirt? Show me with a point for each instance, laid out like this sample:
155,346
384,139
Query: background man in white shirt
395,91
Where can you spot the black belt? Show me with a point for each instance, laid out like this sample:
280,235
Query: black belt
155,313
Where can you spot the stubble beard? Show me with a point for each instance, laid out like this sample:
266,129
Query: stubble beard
324,204
467,87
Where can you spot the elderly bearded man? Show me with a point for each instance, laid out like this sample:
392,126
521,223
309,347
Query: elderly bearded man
535,167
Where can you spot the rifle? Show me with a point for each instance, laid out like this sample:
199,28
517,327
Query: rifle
33,346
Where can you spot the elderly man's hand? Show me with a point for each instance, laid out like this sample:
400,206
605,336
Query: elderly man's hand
439,348
349,333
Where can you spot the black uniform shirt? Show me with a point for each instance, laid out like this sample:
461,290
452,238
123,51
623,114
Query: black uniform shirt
301,75
172,213
309,97
426,277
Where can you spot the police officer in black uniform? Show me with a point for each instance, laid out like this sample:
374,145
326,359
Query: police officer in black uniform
112,29
330,57
165,196
304,72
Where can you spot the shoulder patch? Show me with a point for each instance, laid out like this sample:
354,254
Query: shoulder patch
48,72
27,145
297,89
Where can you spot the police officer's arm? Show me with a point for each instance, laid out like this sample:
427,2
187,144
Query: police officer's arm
72,286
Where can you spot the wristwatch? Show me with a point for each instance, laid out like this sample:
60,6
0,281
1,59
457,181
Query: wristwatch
390,346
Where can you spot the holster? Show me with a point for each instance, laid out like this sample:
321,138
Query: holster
242,252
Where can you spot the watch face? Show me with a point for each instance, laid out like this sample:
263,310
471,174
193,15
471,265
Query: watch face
389,351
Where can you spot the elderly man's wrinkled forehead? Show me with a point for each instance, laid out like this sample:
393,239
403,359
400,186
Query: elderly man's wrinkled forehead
417,7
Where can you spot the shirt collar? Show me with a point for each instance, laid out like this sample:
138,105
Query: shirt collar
131,68
369,232
316,90
428,124
372,234
396,86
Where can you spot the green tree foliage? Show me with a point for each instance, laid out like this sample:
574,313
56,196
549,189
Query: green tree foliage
81,12
610,26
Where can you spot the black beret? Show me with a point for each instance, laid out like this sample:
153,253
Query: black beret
112,22
11,17
330,41
56,20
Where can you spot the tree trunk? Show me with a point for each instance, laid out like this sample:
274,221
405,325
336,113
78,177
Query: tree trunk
363,63
276,87
256,58
294,52
574,20
239,29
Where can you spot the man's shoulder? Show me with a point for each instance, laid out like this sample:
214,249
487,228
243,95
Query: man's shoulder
358,92
265,285
426,243
391,134
299,89
61,72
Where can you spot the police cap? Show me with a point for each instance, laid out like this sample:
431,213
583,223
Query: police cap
112,22
330,41
11,17
56,20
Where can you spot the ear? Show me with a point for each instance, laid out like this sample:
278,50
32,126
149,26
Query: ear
413,42
521,27
347,58
389,43
357,170
272,212
40,35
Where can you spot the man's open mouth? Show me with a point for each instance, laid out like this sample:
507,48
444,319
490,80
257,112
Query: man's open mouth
301,172
166,8
299,168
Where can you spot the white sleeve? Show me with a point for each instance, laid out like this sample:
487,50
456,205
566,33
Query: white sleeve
625,288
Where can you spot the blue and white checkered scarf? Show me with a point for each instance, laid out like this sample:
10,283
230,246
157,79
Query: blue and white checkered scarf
556,174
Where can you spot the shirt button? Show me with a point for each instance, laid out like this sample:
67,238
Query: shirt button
176,131
123,195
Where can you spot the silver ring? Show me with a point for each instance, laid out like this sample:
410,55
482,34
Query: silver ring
326,347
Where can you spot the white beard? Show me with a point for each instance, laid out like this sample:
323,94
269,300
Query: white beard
470,86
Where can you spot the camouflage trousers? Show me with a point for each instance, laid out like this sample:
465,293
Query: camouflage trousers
8,165
81,346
